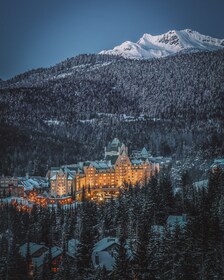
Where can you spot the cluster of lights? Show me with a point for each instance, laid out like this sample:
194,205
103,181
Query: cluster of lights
21,207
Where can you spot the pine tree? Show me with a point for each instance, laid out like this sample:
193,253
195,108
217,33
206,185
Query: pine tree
122,269
64,271
16,265
87,237
167,192
102,274
141,254
47,273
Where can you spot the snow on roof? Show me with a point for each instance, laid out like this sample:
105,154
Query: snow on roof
55,252
73,245
115,141
200,184
221,160
98,164
19,200
218,163
34,247
157,229
55,168
34,182
27,186
176,220
144,152
136,161
105,243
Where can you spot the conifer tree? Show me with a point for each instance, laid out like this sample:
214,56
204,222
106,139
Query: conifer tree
141,254
87,237
122,269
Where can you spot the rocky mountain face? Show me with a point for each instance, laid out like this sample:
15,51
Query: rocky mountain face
172,106
170,43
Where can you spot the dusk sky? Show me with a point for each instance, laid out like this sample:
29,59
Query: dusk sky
40,33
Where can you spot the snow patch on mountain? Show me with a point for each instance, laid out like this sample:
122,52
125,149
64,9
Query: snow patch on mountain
170,43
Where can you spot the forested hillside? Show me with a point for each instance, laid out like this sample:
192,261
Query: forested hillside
173,106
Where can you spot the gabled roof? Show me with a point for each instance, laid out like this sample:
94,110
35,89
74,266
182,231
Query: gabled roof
115,141
55,168
114,145
70,177
136,162
101,165
53,177
144,153
33,248
55,252
105,243
173,220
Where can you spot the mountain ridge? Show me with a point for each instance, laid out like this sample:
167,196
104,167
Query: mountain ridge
66,113
172,42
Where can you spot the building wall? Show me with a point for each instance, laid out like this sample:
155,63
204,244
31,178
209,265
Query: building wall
6,185
17,191
61,185
121,173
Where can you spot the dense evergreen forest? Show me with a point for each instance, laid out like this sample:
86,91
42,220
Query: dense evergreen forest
172,106
195,252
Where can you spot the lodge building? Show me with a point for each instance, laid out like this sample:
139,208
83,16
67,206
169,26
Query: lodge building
106,176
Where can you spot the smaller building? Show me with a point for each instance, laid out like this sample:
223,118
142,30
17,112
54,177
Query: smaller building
35,250
34,183
144,154
56,259
176,221
6,185
104,253
39,255
115,148
17,190
61,180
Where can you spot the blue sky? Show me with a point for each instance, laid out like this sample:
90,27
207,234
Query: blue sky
40,33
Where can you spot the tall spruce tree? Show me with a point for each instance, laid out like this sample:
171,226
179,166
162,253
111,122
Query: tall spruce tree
122,269
141,254
87,237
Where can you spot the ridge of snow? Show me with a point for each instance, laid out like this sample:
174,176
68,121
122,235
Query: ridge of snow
172,42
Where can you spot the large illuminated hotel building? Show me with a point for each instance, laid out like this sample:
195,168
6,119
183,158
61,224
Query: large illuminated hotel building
104,177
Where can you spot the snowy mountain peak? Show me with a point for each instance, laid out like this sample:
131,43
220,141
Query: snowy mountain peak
172,42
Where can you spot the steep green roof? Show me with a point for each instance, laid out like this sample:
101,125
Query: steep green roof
112,159
114,145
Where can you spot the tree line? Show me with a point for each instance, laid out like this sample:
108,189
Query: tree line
193,253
